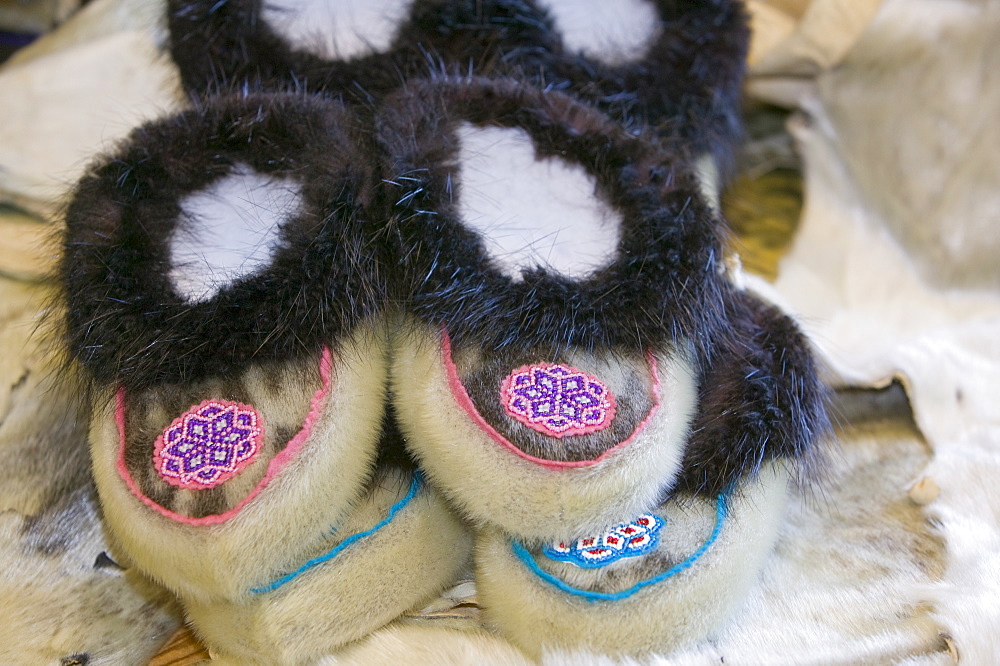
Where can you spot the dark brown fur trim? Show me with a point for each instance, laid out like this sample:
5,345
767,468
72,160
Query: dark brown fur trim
664,285
124,320
686,87
760,399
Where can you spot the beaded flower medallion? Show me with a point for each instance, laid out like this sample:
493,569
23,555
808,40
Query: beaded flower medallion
557,400
637,537
208,444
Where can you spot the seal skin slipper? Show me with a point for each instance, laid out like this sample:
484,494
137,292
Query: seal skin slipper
223,298
675,66
578,371
659,582
672,576
564,278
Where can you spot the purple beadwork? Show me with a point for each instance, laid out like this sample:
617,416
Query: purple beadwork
637,537
557,400
209,444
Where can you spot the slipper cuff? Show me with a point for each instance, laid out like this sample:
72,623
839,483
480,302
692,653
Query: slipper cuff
146,302
662,281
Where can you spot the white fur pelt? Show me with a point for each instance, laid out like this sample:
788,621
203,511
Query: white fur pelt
895,267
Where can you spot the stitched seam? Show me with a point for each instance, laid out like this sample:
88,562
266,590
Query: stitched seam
340,547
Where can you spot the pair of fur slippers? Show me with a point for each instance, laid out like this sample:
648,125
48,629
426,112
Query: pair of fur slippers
326,318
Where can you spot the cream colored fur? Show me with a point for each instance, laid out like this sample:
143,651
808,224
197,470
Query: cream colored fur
299,505
372,582
532,212
493,485
336,28
679,611
614,32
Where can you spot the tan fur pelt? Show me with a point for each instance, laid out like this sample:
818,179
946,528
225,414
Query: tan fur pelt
59,597
60,593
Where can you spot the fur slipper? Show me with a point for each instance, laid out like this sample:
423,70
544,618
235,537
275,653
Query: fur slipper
673,66
659,582
579,375
222,293
560,274
573,335
396,550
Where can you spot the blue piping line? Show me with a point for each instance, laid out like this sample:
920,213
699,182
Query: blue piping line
529,561
326,557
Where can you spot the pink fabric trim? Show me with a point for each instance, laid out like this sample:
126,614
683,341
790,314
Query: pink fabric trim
275,466
463,399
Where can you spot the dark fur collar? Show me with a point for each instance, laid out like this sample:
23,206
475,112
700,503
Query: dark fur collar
686,87
124,320
664,285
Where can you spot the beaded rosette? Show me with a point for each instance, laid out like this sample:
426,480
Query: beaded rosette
557,400
630,539
208,444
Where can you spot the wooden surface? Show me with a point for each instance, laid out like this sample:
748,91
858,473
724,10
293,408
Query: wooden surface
182,649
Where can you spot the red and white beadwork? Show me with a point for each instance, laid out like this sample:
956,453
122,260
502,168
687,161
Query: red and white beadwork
630,539
208,444
557,400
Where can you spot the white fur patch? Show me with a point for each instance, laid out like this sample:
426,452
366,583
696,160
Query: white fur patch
532,212
228,230
614,32
340,29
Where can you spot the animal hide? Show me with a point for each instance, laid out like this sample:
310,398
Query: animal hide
894,271
62,597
